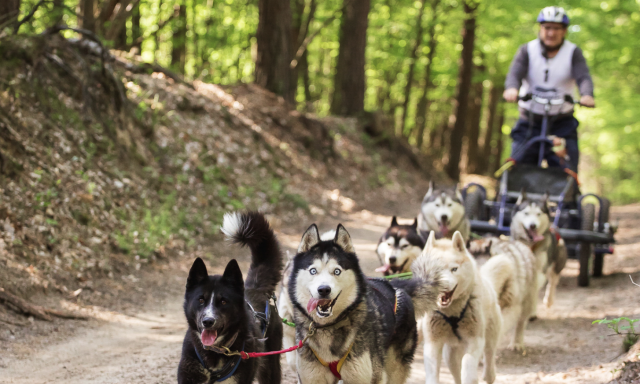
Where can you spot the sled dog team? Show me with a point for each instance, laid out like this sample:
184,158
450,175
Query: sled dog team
341,326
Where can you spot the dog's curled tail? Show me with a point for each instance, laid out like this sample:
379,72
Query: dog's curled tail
424,288
253,230
500,271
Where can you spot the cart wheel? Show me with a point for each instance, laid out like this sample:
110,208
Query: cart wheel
474,205
584,254
598,260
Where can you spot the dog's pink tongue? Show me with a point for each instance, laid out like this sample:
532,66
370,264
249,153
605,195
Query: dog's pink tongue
535,236
444,230
208,337
384,268
312,304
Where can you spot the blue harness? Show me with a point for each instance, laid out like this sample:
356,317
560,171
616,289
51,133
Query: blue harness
230,368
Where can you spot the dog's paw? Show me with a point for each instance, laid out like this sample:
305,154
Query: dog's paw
518,347
548,302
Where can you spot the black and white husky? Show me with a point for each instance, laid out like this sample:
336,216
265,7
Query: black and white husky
362,330
531,224
398,246
442,211
225,313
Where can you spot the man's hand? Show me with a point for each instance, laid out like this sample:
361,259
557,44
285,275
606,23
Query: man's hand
587,101
511,95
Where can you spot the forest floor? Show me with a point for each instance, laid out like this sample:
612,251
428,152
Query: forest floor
139,340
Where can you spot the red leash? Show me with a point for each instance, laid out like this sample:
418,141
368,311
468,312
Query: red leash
247,355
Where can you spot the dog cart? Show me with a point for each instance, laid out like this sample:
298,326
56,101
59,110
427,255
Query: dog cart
586,231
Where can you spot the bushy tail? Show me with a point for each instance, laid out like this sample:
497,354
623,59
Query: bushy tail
500,271
423,288
252,229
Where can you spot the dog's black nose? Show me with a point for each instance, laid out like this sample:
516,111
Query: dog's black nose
324,290
444,219
532,226
392,260
208,322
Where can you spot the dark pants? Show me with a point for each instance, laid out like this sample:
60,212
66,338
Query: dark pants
565,127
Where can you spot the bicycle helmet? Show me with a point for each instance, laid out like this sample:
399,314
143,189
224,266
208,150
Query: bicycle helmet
553,15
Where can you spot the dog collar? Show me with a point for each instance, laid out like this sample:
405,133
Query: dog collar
334,366
222,349
223,373
455,321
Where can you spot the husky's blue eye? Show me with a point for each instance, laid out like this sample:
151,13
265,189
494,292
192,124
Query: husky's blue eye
454,269
313,271
337,272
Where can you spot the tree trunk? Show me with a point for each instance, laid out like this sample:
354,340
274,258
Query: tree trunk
423,104
136,32
88,19
306,81
56,13
178,44
9,10
464,84
273,60
156,37
349,80
413,57
497,153
494,98
473,125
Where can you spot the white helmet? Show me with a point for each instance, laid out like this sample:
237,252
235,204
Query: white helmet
553,15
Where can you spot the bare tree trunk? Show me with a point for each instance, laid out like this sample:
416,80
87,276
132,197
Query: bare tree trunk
413,57
88,19
57,12
473,125
497,153
306,81
349,80
492,108
464,83
9,10
179,41
273,69
156,37
136,32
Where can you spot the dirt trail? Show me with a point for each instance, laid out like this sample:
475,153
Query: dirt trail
144,346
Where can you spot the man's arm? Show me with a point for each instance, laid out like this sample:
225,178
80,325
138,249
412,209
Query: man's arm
580,72
517,72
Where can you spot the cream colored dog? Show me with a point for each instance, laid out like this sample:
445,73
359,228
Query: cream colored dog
467,323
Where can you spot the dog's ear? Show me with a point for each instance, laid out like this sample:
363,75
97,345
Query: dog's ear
430,191
197,274
232,274
343,239
394,221
428,247
459,244
310,238
415,224
522,197
459,193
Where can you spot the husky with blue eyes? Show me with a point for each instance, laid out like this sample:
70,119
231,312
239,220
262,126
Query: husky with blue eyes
362,330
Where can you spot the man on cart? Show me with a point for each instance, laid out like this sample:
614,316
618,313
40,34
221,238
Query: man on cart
549,64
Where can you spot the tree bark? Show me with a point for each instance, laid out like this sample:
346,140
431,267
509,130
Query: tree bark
349,80
306,81
497,153
423,104
413,57
88,19
9,11
464,83
273,60
136,31
473,125
179,41
492,108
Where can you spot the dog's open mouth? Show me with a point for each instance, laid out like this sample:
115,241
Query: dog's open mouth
534,236
444,300
208,337
444,229
323,307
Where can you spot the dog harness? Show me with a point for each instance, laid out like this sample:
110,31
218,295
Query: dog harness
455,321
223,373
334,366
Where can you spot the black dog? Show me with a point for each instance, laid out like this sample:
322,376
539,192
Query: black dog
226,314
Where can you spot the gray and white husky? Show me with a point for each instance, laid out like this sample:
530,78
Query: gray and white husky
512,273
362,330
398,246
531,224
442,211
465,326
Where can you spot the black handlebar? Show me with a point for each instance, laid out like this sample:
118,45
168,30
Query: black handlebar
567,98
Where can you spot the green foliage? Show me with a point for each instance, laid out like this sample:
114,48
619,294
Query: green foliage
630,335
